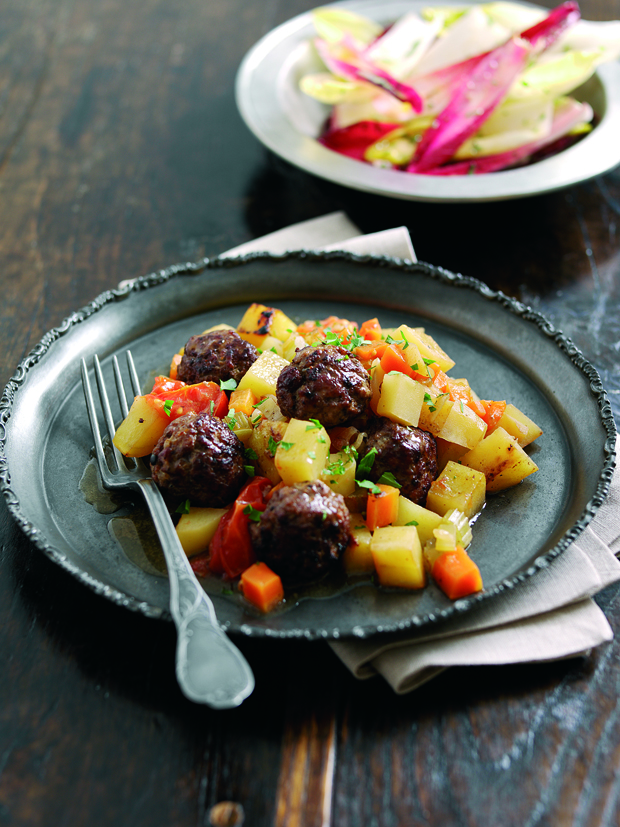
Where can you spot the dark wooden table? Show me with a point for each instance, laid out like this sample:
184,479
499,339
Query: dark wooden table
121,152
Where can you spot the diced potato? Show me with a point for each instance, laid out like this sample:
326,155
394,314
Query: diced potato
267,408
262,376
458,486
196,528
260,321
434,411
401,399
428,347
424,520
240,425
272,344
357,558
339,473
377,374
290,347
501,459
463,426
303,451
520,426
263,441
447,451
397,555
138,434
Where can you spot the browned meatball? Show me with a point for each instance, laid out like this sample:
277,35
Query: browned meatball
200,458
303,531
216,356
410,454
326,383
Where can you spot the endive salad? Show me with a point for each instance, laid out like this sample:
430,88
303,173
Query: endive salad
457,90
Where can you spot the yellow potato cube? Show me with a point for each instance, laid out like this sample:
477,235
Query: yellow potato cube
463,426
434,411
401,399
447,451
260,321
272,344
196,528
262,376
410,513
397,555
377,374
303,451
357,558
501,459
291,345
460,487
520,426
428,347
339,473
139,432
263,441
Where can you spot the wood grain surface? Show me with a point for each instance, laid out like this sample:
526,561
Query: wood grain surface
122,152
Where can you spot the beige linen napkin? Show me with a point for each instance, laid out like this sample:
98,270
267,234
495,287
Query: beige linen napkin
549,617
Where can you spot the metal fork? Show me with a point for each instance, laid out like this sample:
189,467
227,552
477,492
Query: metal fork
209,667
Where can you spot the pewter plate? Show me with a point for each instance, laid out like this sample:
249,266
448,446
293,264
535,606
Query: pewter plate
505,349
288,122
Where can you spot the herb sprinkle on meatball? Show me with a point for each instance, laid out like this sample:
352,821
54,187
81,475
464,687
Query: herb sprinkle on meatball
327,383
303,531
200,458
216,356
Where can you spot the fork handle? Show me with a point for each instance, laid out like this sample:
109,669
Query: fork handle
210,668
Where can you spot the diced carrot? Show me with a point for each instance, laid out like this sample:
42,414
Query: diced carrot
370,350
371,330
262,587
456,574
394,359
440,380
464,394
243,401
382,508
174,365
493,412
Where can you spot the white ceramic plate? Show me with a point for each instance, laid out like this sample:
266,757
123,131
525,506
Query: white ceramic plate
288,123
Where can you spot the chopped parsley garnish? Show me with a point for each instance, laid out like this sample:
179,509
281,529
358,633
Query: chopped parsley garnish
250,454
412,522
429,361
227,591
337,467
365,464
286,446
272,445
228,384
168,406
183,508
388,478
372,487
211,407
311,454
429,401
252,513
249,470
405,340
315,424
